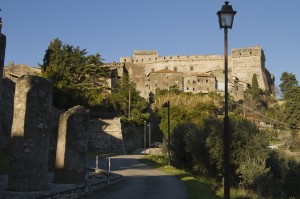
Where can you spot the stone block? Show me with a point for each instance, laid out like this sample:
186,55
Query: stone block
72,146
30,134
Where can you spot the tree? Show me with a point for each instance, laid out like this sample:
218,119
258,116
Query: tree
77,78
292,107
291,93
288,81
255,90
125,95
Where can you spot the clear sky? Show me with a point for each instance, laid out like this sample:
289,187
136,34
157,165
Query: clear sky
114,28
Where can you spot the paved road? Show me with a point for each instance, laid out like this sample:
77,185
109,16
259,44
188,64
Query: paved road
141,181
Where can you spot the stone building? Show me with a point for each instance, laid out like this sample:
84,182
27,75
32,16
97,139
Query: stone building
164,79
144,65
200,83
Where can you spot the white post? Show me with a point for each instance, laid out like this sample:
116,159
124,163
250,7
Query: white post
96,162
108,170
149,137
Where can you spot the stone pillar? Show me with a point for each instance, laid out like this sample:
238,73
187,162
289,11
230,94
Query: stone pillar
2,56
30,134
71,146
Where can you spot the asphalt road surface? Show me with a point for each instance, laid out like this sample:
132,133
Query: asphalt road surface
141,181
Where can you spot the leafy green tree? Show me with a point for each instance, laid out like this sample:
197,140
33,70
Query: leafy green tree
180,158
77,78
125,95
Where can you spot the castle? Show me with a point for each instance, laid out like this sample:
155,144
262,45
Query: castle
197,73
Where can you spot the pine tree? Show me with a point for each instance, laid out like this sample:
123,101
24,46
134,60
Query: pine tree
77,78
288,80
255,90
291,94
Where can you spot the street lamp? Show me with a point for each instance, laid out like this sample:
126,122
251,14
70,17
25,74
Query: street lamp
226,15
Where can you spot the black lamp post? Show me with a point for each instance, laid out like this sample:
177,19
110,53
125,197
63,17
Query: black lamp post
226,15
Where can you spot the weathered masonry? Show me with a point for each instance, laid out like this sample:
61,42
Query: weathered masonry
198,73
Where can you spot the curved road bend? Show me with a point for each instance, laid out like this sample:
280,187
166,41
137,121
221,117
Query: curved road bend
141,181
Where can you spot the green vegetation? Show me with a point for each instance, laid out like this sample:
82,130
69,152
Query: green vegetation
81,79
291,94
77,78
125,95
197,144
4,164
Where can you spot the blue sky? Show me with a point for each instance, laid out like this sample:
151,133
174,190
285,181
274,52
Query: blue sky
114,28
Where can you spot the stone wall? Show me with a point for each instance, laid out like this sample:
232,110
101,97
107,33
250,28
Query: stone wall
105,135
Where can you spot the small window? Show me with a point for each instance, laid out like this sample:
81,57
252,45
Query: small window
175,68
193,89
191,68
206,81
198,80
187,88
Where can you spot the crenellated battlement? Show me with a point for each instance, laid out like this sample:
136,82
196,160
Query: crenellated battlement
145,58
247,52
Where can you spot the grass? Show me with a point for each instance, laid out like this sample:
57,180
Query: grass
4,162
196,188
